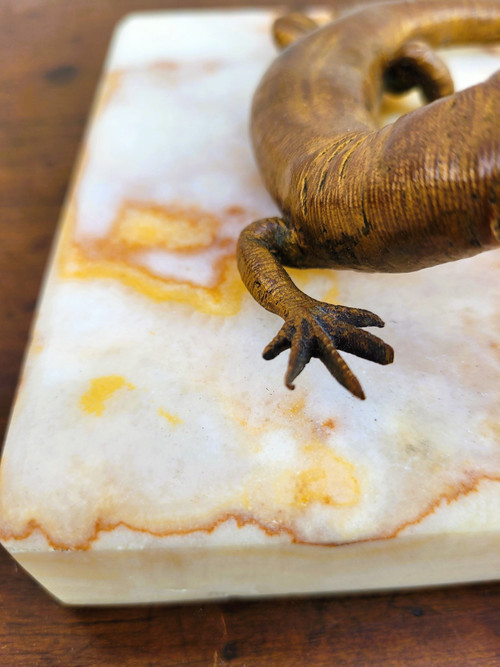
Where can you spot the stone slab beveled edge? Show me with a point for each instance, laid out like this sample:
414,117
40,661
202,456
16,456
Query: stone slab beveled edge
200,574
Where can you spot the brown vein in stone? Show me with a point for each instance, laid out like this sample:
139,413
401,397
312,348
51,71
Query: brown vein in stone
246,519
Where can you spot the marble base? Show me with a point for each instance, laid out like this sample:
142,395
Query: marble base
152,454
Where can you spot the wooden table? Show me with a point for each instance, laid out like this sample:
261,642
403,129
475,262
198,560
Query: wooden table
51,53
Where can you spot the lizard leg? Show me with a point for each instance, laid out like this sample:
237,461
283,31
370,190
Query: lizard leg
312,328
417,64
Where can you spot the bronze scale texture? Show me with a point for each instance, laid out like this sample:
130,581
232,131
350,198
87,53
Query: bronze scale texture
419,192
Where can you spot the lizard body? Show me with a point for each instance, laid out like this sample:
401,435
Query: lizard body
418,192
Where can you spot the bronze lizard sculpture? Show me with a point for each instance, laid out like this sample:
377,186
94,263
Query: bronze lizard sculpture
421,191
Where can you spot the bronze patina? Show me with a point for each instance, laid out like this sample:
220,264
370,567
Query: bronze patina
418,192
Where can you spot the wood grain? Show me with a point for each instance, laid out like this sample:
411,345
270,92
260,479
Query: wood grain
51,53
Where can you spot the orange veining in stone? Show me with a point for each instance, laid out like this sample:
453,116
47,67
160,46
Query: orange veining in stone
147,225
274,528
113,258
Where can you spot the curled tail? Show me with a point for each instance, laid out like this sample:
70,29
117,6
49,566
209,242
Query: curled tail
421,191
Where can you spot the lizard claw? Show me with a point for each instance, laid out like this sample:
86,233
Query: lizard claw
279,343
320,330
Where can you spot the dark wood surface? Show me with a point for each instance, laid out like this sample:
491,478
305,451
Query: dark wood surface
51,53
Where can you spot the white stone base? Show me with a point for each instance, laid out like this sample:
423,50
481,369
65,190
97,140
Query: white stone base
153,455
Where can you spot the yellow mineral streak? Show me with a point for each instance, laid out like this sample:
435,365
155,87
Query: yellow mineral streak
172,229
104,261
101,390
303,278
224,299
326,478
332,295
173,419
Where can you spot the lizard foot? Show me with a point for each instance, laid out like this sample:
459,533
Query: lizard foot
320,330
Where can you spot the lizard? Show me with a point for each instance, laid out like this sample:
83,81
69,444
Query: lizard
353,195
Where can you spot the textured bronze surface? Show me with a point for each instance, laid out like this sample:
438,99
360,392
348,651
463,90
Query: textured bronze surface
421,191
